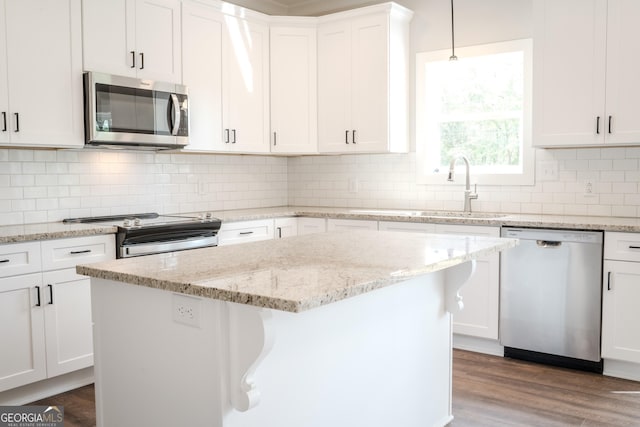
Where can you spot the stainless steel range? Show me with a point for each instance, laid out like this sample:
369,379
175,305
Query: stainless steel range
151,233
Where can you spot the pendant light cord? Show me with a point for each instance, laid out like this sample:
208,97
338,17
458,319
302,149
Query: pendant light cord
453,56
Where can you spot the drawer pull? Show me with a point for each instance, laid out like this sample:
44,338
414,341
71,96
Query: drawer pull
2,261
634,247
38,295
86,251
245,233
50,294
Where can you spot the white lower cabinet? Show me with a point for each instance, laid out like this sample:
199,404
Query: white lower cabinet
285,227
620,296
45,316
233,233
411,227
311,225
23,356
481,296
351,224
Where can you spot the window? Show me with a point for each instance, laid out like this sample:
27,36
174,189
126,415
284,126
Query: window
479,107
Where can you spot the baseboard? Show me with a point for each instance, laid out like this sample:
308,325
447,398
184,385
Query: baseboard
45,388
620,369
478,345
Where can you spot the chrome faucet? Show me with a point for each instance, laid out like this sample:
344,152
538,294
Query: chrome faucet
468,195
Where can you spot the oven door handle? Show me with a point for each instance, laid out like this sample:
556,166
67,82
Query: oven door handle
126,251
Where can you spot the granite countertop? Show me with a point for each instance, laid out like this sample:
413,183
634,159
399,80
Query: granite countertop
301,272
45,231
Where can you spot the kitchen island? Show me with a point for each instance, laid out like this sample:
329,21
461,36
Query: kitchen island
333,329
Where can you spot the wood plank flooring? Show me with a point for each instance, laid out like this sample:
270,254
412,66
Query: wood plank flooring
487,391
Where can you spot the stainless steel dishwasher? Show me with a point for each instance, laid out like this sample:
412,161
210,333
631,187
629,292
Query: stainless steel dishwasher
550,297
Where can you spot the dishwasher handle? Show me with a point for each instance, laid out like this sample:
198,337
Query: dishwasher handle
548,243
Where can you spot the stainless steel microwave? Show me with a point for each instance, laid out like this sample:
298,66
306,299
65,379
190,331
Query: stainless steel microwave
128,112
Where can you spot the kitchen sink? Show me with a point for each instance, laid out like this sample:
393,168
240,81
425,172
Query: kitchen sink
429,214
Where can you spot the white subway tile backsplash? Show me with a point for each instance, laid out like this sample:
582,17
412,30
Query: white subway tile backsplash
48,185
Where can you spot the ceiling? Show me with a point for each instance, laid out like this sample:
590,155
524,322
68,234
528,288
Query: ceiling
301,7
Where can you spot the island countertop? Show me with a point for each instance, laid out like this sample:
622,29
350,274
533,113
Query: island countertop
301,272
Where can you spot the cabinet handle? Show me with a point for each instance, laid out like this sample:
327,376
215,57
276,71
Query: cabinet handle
610,124
346,136
609,281
50,294
279,232
353,136
598,125
133,59
275,141
86,251
142,60
2,261
634,247
17,121
4,121
234,136
226,136
245,233
38,295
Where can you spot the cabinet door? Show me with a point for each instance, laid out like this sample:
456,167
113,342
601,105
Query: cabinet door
334,87
108,36
311,225
246,85
370,83
620,315
68,324
481,295
45,107
4,88
22,358
157,35
285,227
569,72
623,69
293,90
202,35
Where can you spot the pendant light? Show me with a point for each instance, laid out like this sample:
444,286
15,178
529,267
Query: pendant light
453,56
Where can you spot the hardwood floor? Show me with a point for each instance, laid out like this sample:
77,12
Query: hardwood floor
487,391
494,391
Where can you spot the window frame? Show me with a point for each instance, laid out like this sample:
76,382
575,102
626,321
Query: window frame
527,177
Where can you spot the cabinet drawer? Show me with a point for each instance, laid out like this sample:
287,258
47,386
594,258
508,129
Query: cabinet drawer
351,224
67,253
245,231
20,258
622,246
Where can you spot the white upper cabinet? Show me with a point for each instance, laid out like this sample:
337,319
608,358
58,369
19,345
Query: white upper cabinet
294,112
363,80
585,72
202,74
245,89
226,69
41,109
136,38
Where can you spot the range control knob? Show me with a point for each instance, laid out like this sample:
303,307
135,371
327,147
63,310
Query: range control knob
136,222
127,222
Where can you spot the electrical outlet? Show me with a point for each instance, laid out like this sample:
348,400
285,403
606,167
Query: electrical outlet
548,170
186,310
589,188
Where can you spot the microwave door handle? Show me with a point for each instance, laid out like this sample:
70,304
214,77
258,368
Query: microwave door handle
176,114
